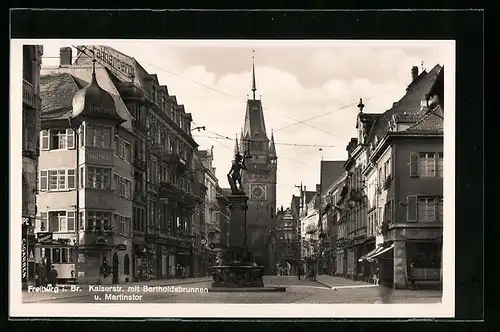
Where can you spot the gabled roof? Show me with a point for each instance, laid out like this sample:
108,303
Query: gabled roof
57,92
410,103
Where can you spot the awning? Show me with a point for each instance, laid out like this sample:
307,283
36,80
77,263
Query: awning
370,254
375,253
383,251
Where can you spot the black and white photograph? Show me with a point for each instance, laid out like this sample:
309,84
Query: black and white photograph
188,176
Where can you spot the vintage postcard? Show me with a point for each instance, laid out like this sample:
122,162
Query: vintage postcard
235,178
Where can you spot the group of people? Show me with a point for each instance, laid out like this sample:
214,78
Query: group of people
45,275
311,273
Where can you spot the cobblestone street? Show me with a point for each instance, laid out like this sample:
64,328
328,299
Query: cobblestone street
303,291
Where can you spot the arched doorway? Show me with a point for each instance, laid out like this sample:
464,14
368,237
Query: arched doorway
116,268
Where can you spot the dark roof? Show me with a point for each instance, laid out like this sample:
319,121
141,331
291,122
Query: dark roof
331,170
410,103
255,124
57,92
309,196
407,118
431,122
202,154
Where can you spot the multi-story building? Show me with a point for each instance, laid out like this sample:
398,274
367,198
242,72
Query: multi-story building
330,170
164,165
32,59
212,226
332,213
86,179
406,168
198,226
309,219
259,180
286,250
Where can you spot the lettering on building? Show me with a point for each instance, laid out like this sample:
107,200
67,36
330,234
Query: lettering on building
98,109
98,157
116,63
100,199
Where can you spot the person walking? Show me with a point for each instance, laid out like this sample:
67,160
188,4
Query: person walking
299,271
385,281
53,276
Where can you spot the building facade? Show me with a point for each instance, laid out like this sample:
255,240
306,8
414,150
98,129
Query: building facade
212,225
164,166
259,180
200,254
409,163
287,250
84,223
32,59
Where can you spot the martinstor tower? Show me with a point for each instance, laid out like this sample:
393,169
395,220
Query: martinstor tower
259,180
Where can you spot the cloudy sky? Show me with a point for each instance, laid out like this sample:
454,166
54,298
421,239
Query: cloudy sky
320,82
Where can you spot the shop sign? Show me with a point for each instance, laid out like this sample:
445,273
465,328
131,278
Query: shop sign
45,237
114,61
121,247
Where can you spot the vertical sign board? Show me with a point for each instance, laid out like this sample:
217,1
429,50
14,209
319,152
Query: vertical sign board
24,254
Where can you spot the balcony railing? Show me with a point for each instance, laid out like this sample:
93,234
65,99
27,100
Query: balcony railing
28,94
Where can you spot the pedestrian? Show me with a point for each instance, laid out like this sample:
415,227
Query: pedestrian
53,276
385,281
299,270
411,276
42,274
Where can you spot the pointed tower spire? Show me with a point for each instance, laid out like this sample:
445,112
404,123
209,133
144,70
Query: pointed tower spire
254,86
242,142
236,146
272,147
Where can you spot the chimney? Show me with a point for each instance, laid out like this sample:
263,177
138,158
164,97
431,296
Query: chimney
65,56
414,73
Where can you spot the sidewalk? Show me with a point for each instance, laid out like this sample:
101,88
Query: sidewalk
31,297
361,287
339,281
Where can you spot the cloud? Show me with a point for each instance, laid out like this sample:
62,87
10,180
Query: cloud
296,83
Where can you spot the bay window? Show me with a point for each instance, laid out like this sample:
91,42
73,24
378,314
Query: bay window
98,178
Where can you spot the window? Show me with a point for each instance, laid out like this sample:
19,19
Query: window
440,209
387,169
425,209
42,226
59,221
122,186
163,173
426,164
55,180
98,178
58,139
96,220
123,149
98,136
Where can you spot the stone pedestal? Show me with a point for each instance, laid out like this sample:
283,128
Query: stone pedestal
237,221
237,267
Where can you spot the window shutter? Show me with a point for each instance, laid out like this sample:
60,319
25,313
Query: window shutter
412,208
413,164
45,139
